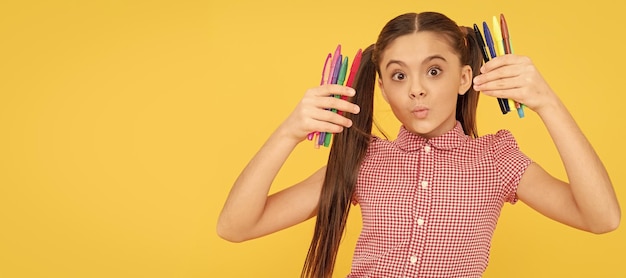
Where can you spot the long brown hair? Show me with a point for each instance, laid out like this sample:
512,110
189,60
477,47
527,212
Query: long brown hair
349,147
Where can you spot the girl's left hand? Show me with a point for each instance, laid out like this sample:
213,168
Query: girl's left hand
515,77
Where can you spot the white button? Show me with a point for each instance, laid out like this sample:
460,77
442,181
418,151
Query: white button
427,148
413,259
424,184
420,222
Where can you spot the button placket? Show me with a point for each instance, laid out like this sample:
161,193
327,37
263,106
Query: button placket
421,208
427,149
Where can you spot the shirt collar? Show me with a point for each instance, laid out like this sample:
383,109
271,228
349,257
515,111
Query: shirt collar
410,142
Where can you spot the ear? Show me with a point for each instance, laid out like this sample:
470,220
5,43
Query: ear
382,89
466,79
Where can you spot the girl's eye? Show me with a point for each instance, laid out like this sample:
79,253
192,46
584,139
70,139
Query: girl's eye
434,71
398,76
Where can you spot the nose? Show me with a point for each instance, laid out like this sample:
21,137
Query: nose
416,90
420,93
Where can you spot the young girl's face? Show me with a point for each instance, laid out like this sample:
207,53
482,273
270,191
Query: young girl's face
421,76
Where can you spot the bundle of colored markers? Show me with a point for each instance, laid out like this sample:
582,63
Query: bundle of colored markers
499,45
334,72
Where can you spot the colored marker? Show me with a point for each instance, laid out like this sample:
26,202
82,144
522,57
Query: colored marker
481,42
489,39
342,76
502,101
353,70
505,35
497,33
338,78
337,69
322,82
483,49
333,65
356,63
342,71
325,137
506,41
334,71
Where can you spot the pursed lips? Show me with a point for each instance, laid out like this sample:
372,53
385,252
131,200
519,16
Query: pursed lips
420,111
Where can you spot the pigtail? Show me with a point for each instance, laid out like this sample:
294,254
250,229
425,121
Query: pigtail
346,154
467,104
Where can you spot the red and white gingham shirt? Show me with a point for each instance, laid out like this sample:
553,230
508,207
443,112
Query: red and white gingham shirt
430,207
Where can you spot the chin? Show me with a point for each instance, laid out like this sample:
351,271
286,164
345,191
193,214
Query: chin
427,129
420,129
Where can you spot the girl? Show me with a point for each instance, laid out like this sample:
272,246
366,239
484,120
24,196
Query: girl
430,200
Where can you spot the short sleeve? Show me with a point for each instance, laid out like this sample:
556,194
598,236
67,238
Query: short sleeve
511,163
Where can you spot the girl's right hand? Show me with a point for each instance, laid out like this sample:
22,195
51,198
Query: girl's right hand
313,114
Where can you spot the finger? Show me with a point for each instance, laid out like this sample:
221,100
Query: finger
505,83
509,93
338,104
328,102
503,72
329,128
333,89
333,118
499,61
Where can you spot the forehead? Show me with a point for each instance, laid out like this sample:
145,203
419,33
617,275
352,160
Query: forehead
416,47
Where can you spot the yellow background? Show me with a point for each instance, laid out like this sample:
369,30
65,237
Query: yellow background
123,125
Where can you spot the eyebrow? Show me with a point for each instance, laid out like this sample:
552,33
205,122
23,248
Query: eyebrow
428,59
